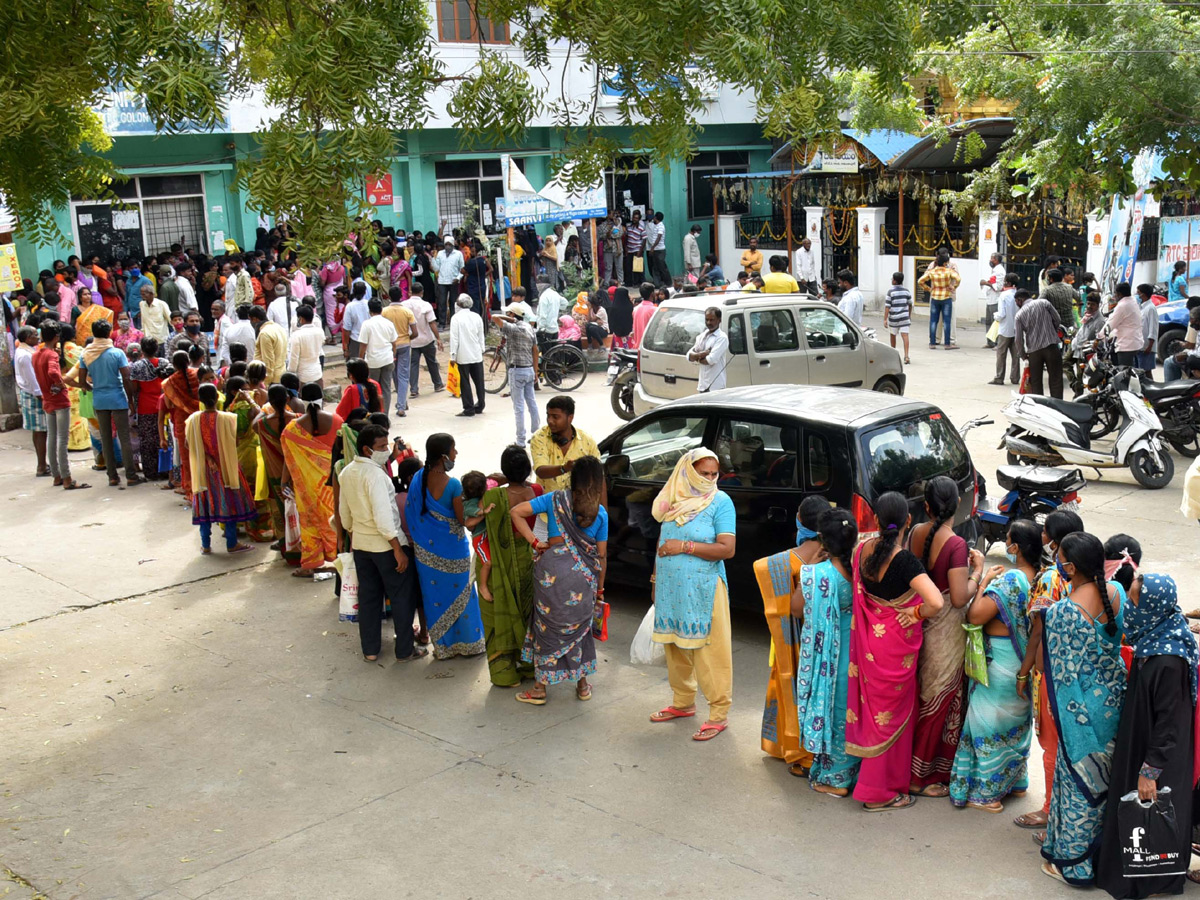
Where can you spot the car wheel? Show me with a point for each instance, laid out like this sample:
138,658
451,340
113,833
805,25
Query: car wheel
887,385
1166,338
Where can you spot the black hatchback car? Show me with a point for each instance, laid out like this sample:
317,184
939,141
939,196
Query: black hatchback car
776,445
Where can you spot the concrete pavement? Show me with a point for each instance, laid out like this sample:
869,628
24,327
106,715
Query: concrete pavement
178,726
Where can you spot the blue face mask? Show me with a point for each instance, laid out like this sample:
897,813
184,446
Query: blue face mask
1062,570
1012,557
803,534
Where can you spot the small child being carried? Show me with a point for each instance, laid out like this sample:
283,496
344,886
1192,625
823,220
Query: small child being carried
474,486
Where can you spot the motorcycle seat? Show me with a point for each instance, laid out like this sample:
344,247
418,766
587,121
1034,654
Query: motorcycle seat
1172,390
1076,412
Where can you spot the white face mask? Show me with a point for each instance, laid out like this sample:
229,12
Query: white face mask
379,457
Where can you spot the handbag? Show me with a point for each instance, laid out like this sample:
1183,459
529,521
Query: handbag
1153,842
600,620
975,660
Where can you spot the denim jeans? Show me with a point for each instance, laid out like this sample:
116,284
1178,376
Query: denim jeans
58,430
206,535
943,309
429,353
520,383
400,376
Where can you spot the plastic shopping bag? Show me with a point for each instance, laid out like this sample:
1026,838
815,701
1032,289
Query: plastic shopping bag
975,660
1024,388
348,599
452,382
994,331
1153,841
643,651
291,528
164,461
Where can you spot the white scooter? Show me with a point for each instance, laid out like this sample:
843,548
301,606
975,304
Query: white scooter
1045,431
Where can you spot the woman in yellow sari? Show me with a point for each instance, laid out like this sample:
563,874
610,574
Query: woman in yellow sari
89,314
240,401
78,437
308,453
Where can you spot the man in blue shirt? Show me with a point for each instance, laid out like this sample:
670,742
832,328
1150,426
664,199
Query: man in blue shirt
1178,288
107,369
133,294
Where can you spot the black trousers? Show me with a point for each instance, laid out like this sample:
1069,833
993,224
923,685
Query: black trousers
658,268
378,578
468,373
106,418
1050,359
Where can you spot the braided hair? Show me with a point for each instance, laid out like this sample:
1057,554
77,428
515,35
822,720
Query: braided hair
941,501
839,535
312,395
891,512
1085,552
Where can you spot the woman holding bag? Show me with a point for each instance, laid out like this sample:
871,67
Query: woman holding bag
691,593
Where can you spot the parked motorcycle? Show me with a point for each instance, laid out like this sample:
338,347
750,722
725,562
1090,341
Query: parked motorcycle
1176,403
624,383
1046,431
1033,492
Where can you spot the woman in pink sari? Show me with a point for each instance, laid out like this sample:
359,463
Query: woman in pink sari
401,275
892,595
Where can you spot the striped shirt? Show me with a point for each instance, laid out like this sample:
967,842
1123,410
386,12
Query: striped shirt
898,300
1037,326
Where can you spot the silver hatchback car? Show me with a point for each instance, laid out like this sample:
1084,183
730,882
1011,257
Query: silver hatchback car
773,339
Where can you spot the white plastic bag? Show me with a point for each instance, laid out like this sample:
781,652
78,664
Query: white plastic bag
291,527
348,599
644,651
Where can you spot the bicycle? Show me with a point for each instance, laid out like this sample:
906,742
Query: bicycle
563,366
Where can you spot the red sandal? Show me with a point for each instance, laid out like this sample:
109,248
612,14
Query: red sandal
666,714
710,730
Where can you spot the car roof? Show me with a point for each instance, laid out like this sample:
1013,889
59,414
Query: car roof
849,407
724,300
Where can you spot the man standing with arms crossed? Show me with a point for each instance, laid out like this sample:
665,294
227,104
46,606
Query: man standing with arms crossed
448,264
804,267
711,351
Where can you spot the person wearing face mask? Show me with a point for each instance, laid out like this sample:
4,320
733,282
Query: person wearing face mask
691,593
992,759
436,520
368,512
1085,683
778,580
1047,589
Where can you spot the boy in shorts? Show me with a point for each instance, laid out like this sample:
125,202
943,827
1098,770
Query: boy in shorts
899,305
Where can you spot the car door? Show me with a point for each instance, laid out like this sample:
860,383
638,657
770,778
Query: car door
758,456
776,357
638,461
737,368
833,348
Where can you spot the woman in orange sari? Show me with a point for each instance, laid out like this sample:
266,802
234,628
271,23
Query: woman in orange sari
307,444
89,314
269,426
181,400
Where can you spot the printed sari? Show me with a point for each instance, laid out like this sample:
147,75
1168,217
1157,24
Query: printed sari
1084,679
444,570
308,457
566,576
78,437
179,394
777,576
259,529
88,318
823,674
992,760
881,702
269,437
506,618
219,503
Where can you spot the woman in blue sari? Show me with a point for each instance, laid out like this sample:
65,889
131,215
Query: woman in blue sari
434,514
1085,689
992,760
825,600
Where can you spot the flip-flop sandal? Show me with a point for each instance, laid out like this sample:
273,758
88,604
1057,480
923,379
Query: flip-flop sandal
1039,837
370,659
584,695
666,714
45,474
983,807
527,697
1024,821
826,791
933,791
418,653
907,361
952,346
299,573
900,801
1052,870
709,730
114,482
933,346
241,548
1194,876
1194,614
57,482
799,770
76,486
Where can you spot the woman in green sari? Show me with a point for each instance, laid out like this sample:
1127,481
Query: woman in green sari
240,401
510,581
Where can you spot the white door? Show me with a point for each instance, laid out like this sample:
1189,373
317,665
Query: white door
834,349
775,356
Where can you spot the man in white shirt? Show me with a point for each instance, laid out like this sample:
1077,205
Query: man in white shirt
711,351
993,285
448,264
156,315
805,269
282,310
691,250
466,350
222,322
305,348
352,321
1006,344
369,515
376,345
656,247
426,344
852,299
240,331
29,392
549,308
185,280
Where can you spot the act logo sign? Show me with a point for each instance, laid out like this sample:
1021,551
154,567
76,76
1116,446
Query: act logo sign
379,190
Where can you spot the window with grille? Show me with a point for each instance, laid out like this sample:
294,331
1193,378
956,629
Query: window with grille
179,220
459,22
700,189
157,211
452,199
476,180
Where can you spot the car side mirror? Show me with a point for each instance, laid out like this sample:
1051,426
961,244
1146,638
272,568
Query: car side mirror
850,339
616,465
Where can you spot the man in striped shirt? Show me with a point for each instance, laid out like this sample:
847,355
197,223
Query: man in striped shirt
1037,337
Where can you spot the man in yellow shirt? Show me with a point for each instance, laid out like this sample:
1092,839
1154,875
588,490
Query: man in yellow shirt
778,281
752,259
270,344
406,329
557,445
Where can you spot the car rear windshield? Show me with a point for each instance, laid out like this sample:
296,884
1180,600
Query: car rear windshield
673,330
901,454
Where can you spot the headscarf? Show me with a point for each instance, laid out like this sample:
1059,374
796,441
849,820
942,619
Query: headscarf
620,316
687,493
1155,626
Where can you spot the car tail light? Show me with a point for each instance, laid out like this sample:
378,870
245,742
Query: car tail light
864,516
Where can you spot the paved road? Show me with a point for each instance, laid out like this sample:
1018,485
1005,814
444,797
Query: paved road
178,726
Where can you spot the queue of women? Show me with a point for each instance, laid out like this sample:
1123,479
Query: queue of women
902,668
